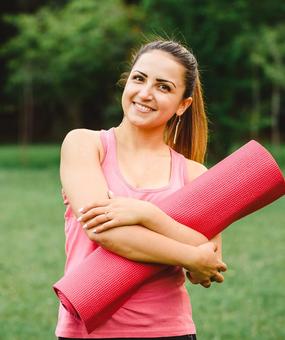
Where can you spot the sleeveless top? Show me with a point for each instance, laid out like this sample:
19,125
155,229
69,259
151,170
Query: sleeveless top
159,308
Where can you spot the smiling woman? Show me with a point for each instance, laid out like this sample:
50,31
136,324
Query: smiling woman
156,89
157,149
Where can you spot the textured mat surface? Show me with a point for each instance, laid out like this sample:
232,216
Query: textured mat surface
242,183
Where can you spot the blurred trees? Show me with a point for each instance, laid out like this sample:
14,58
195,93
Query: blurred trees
67,62
240,49
269,57
64,62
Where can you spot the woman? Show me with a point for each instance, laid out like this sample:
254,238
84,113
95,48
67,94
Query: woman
163,112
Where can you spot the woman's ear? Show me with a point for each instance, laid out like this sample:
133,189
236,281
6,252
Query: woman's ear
183,106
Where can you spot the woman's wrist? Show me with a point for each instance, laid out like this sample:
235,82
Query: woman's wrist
150,215
187,257
157,221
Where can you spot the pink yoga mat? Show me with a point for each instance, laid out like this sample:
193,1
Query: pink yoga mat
242,183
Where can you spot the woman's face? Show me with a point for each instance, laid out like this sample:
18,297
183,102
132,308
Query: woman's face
154,90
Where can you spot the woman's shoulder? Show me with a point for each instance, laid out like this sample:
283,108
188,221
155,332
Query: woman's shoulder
81,135
84,141
194,169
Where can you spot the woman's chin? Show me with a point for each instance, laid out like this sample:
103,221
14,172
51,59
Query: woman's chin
139,121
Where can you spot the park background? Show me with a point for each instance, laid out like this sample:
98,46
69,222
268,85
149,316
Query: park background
59,66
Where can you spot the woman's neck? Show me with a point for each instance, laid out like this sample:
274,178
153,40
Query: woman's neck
133,137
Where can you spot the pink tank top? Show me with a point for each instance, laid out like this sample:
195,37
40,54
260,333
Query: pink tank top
159,308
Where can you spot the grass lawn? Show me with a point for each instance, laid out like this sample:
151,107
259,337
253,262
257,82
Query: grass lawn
31,252
250,304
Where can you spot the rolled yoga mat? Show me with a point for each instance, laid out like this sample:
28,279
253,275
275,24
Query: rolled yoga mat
242,183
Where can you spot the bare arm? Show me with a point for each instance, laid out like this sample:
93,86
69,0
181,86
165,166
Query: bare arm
148,246
167,226
80,171
123,211
82,180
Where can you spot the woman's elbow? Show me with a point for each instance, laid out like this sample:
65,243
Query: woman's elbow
107,241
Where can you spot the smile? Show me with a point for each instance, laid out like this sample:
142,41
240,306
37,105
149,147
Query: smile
143,108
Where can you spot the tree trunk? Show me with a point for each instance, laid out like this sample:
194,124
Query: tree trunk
255,112
26,118
73,114
275,113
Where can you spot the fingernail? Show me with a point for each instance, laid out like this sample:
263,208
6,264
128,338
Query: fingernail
80,210
85,226
110,193
79,219
94,231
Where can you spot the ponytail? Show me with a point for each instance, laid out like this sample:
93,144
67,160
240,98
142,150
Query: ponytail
199,133
192,134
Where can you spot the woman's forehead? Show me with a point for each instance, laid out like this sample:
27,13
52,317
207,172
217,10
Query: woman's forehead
160,64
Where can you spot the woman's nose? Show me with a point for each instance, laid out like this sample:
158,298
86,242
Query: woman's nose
146,92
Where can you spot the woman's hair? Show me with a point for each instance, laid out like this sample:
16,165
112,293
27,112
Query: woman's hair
192,134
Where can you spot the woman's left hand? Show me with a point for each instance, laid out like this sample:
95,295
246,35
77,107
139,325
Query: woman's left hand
114,212
206,284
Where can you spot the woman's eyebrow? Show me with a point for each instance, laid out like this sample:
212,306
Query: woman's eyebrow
158,79
166,81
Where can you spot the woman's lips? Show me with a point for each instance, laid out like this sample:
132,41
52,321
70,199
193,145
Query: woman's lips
143,108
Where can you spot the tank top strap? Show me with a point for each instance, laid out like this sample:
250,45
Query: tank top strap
109,145
179,167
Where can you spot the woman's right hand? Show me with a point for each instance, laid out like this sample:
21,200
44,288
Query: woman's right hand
115,212
207,267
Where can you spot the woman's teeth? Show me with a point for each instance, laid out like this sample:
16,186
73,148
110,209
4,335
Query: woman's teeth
142,108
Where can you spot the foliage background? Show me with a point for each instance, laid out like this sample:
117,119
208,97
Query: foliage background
59,64
62,62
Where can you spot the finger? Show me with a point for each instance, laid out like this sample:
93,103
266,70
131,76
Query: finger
194,282
217,278
192,279
105,226
223,267
110,194
87,207
94,222
195,279
91,214
206,284
189,276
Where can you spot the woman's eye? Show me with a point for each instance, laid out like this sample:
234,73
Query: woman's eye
137,77
164,88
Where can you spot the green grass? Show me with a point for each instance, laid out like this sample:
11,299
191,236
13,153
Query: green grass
35,156
31,252
250,304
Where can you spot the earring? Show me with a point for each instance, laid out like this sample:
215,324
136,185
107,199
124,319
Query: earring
176,130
